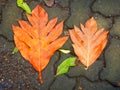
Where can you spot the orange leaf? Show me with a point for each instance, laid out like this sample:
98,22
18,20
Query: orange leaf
38,40
88,43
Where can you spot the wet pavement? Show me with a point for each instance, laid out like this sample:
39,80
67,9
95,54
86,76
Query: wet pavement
17,74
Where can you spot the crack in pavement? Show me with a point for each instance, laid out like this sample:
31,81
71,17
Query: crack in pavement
0,15
55,69
4,37
95,81
69,4
2,4
106,16
111,17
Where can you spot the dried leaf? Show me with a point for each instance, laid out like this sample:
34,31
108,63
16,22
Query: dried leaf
65,65
88,43
38,40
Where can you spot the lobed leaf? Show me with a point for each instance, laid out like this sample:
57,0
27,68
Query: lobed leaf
88,42
38,40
